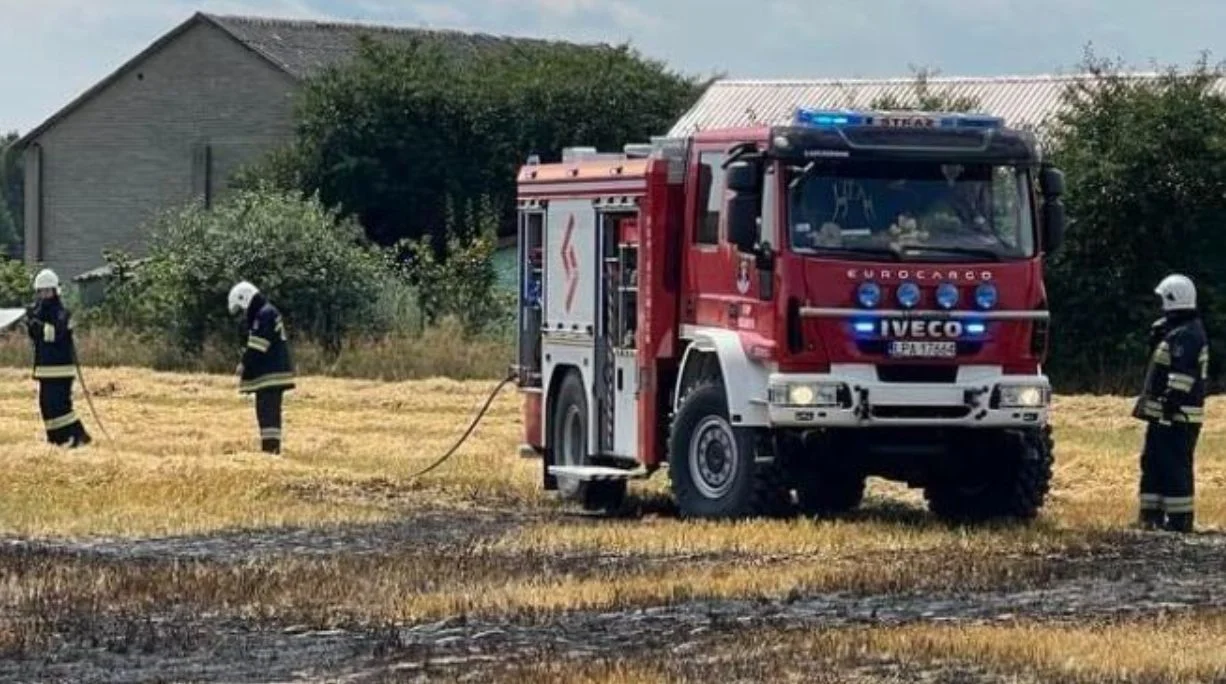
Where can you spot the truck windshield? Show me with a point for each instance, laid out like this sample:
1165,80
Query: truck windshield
919,211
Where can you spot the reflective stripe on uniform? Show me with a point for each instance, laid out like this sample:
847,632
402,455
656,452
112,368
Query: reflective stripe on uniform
61,422
1178,504
1162,355
258,343
55,372
1190,414
267,381
1180,382
48,333
270,433
1151,502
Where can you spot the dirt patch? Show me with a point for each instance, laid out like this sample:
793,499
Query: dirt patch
1138,575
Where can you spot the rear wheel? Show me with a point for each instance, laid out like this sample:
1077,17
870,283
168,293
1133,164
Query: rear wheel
1012,483
717,470
568,428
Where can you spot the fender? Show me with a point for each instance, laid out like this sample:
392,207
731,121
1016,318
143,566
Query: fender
746,380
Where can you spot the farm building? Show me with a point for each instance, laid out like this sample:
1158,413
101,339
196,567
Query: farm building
1023,101
173,123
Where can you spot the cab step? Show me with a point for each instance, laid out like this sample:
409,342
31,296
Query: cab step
593,473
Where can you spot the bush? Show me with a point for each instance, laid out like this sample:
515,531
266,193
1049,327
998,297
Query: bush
15,283
327,281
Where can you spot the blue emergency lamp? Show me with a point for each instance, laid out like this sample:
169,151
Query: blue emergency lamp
908,295
985,295
947,295
869,294
837,118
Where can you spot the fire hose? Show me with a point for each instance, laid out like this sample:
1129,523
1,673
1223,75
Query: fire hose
467,433
89,400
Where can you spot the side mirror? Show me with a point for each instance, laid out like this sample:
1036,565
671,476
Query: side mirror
1051,182
1053,224
744,177
743,211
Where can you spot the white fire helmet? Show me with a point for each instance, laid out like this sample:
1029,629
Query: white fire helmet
240,296
1177,293
46,280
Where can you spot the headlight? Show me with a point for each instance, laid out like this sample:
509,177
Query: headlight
805,394
947,295
1024,396
869,294
985,295
908,295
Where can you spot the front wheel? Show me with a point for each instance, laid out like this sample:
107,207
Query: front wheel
1009,481
714,467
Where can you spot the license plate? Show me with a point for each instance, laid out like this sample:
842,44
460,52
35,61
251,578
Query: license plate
923,350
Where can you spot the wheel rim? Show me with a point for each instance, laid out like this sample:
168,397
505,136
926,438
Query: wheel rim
714,458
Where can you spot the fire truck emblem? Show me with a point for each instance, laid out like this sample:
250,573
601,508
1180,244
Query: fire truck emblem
742,276
570,263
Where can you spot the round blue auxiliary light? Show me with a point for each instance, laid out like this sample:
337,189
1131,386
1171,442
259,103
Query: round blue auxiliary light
869,294
908,295
947,295
985,295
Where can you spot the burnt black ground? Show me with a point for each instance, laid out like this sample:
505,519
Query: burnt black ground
1135,574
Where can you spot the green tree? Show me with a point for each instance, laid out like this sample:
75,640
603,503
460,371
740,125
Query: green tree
925,97
407,133
12,197
1145,164
8,232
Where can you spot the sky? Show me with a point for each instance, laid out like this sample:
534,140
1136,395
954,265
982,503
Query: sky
52,50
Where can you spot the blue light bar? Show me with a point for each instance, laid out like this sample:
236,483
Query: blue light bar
835,118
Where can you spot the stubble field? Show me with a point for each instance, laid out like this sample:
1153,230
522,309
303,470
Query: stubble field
176,552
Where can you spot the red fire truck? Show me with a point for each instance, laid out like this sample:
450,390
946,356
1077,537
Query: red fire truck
780,312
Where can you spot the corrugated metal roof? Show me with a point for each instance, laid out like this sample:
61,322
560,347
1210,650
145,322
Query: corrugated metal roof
1024,101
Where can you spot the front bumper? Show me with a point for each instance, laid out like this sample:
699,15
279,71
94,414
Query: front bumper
973,400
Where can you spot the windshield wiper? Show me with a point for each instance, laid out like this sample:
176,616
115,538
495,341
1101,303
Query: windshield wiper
856,251
969,251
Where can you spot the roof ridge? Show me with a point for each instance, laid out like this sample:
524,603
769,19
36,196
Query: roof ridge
262,20
939,80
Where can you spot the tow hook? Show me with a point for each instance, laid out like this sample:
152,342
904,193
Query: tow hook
973,400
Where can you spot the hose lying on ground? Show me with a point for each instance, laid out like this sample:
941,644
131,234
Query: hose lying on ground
471,426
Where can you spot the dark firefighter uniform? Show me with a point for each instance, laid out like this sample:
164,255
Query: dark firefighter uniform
50,326
1172,402
267,369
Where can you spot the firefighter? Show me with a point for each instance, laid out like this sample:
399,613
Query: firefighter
1172,403
266,369
50,326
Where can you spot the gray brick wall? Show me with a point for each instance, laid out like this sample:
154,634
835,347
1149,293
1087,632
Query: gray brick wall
133,149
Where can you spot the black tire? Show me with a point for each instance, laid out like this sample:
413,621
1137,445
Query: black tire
568,441
826,492
713,466
1015,488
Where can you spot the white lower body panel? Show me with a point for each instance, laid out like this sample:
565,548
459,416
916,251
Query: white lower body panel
964,403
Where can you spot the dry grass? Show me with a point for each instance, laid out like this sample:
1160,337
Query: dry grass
183,462
184,457
441,351
1186,648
